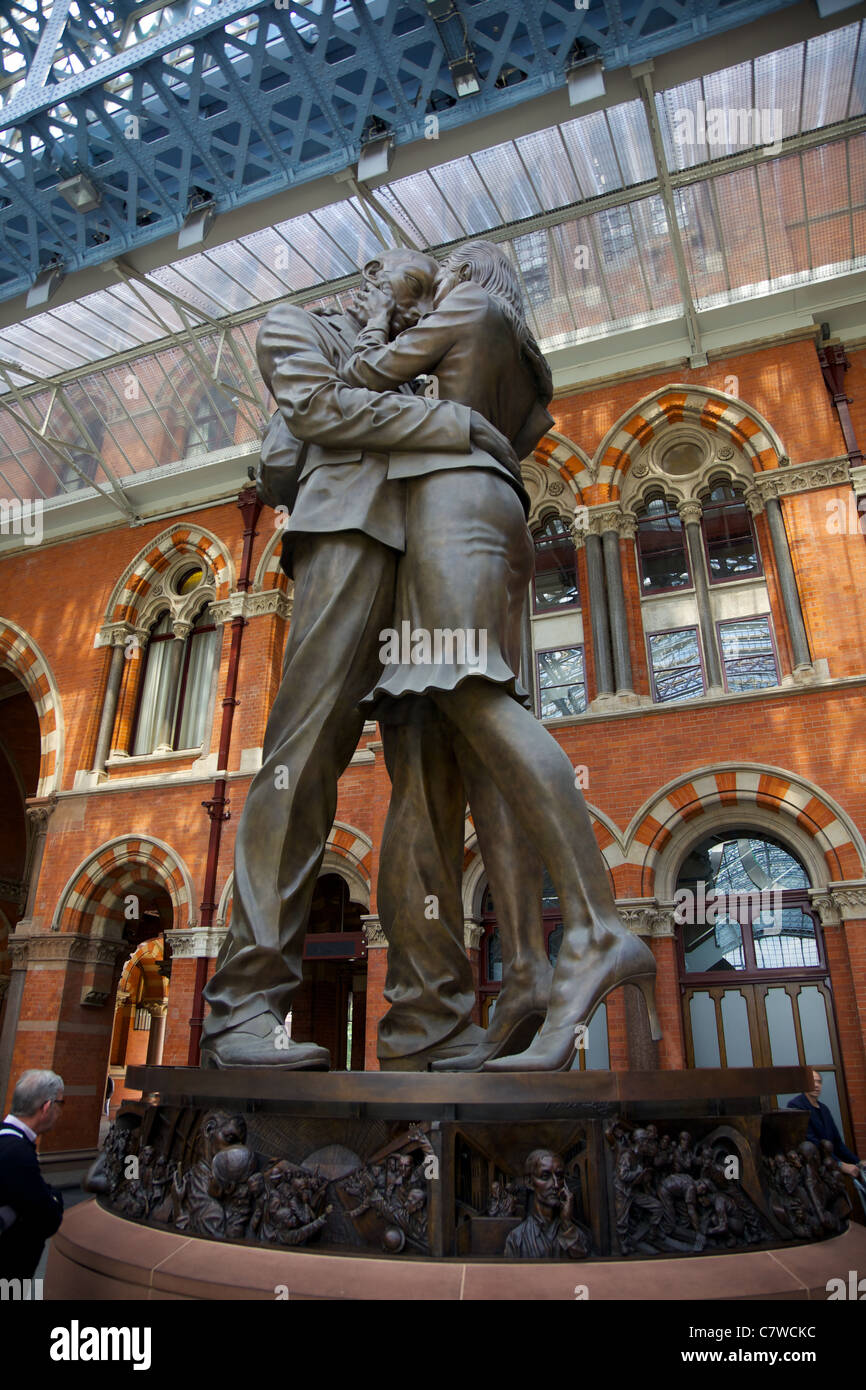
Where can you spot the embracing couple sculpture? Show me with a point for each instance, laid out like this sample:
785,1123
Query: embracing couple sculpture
410,510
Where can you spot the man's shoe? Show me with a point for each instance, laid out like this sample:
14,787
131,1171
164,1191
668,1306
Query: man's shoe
469,1039
263,1042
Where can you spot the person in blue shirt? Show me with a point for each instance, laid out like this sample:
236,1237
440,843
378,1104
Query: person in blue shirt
823,1126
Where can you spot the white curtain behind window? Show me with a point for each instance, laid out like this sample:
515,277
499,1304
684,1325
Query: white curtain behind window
155,694
196,704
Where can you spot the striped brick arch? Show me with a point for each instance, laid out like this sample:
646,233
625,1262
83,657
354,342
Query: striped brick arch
268,573
561,454
19,653
609,840
348,852
774,791
147,956
711,410
96,890
136,584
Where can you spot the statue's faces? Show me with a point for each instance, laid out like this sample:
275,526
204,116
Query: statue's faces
451,274
548,1180
411,277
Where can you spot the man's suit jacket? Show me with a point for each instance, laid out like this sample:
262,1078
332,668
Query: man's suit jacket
323,421
38,1208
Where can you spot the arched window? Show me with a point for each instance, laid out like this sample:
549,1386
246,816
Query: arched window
175,690
555,584
729,536
595,1056
213,423
753,971
661,546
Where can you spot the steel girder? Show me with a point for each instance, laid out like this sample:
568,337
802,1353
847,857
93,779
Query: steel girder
232,102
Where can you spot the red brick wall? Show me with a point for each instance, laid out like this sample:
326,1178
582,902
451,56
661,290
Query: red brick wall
59,595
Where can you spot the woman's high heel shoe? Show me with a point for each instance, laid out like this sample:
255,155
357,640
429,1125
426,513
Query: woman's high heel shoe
518,1037
593,977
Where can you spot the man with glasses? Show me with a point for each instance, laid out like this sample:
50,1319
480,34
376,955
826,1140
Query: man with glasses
30,1210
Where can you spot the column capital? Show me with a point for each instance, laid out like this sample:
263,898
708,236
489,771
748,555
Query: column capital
690,511
190,943
373,930
754,500
647,916
472,933
38,811
155,1007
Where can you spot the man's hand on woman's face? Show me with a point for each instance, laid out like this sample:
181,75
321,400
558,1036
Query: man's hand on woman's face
374,302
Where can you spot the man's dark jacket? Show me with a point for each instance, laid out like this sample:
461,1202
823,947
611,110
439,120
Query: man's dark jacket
823,1126
38,1208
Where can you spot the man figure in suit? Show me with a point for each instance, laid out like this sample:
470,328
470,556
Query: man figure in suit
30,1210
342,543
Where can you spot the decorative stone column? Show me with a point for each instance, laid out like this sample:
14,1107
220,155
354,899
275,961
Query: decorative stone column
472,934
597,609
119,648
163,739
611,523
121,737
803,668
38,812
158,1013
14,993
186,946
690,514
377,967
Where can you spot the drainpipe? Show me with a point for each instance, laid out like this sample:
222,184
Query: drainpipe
216,807
834,365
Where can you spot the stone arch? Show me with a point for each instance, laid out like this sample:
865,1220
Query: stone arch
770,799
133,594
90,902
348,852
268,573
610,841
19,653
735,420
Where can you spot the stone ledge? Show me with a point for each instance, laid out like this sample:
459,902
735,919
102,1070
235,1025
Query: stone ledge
98,1256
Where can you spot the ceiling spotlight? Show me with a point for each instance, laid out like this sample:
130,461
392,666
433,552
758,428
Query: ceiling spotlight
376,149
465,76
80,193
585,78
45,285
197,225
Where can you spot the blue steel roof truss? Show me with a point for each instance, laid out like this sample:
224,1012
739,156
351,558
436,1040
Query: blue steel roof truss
238,101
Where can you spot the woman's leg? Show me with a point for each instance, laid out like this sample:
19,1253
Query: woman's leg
536,777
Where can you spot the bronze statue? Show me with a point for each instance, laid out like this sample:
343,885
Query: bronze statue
342,542
550,1230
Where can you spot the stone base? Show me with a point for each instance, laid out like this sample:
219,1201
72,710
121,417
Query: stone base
99,1256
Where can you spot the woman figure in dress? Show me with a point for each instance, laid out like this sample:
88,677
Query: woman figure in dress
468,562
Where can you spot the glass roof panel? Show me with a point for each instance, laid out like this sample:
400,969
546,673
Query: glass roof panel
702,241
427,208
728,97
683,134
858,86
778,86
631,141
195,295
592,154
29,345
507,182
829,69
93,330
739,221
550,169
825,175
781,186
273,246
131,314
317,247
203,274
238,260
463,190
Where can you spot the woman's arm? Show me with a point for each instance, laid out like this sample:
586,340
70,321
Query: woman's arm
383,366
